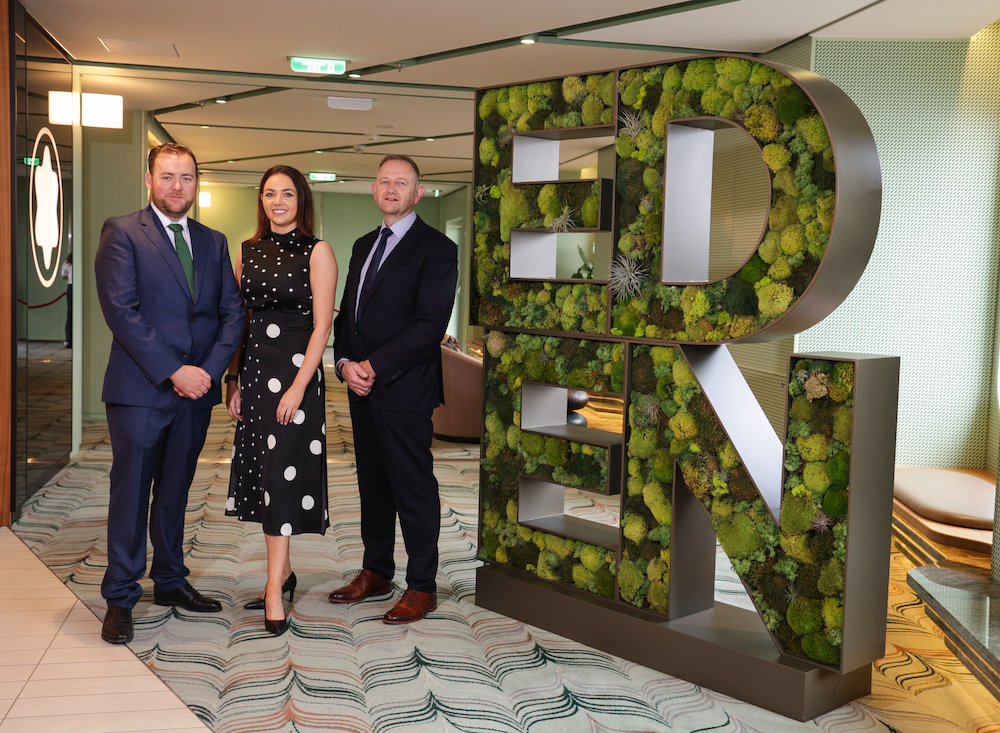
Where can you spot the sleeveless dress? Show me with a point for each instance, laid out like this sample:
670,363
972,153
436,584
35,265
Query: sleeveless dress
278,476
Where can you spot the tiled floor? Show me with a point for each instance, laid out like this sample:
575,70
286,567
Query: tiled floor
57,674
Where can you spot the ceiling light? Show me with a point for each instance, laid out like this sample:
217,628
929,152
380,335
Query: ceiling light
320,176
230,161
354,75
317,151
205,199
430,139
359,103
528,40
222,100
103,110
437,192
204,127
305,65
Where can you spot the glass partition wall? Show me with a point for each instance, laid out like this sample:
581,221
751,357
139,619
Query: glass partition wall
43,213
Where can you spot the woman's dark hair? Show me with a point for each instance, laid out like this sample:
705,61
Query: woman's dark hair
304,218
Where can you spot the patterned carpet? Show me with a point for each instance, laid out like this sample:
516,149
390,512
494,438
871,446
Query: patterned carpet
463,669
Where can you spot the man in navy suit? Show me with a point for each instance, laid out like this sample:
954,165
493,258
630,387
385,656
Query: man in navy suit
170,298
397,301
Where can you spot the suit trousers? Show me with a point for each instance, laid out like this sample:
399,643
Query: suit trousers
154,449
396,477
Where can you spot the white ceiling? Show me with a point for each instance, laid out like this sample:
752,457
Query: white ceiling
228,47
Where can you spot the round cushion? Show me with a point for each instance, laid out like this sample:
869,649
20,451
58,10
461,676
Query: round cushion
946,496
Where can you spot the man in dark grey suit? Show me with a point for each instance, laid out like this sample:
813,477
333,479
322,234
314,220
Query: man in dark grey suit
397,300
169,296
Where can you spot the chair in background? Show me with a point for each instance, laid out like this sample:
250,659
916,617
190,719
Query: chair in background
460,418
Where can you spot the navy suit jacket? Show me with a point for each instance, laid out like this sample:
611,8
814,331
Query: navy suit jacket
403,318
156,325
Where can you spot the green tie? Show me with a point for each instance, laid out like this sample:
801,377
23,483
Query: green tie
183,254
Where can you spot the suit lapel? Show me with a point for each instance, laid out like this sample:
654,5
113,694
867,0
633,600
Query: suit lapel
157,236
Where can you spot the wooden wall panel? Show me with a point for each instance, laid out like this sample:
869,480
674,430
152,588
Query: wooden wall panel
8,394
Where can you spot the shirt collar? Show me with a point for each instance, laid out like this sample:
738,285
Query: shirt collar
401,227
166,222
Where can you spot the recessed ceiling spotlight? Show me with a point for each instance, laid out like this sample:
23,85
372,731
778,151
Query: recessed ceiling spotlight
230,161
354,75
318,151
204,127
221,100
437,192
430,139
528,40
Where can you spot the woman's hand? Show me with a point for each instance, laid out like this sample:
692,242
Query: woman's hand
289,405
233,402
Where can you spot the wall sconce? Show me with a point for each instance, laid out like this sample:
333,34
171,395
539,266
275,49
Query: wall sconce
98,110
103,110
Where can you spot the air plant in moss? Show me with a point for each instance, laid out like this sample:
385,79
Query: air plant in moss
630,124
627,277
563,222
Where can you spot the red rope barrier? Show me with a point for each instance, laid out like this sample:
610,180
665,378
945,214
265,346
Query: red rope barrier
63,295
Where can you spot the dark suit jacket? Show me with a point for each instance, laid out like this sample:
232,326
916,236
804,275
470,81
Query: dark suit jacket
403,317
147,304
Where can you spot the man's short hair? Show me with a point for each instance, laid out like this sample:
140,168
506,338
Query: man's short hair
405,159
169,150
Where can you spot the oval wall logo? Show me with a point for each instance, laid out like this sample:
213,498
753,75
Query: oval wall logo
45,208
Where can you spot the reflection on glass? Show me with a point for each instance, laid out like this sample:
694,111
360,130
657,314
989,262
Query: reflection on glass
44,175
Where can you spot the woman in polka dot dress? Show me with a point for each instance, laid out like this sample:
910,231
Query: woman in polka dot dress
288,279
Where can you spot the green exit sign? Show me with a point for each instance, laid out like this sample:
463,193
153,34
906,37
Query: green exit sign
317,176
32,161
318,66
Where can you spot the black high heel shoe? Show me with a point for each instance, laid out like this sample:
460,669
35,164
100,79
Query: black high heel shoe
276,627
287,587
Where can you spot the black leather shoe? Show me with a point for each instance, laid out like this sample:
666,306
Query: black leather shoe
117,628
275,627
287,587
187,598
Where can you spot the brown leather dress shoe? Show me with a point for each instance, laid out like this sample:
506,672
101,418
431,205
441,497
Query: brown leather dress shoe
365,584
413,606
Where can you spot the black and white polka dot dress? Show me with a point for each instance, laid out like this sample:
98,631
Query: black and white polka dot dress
279,471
